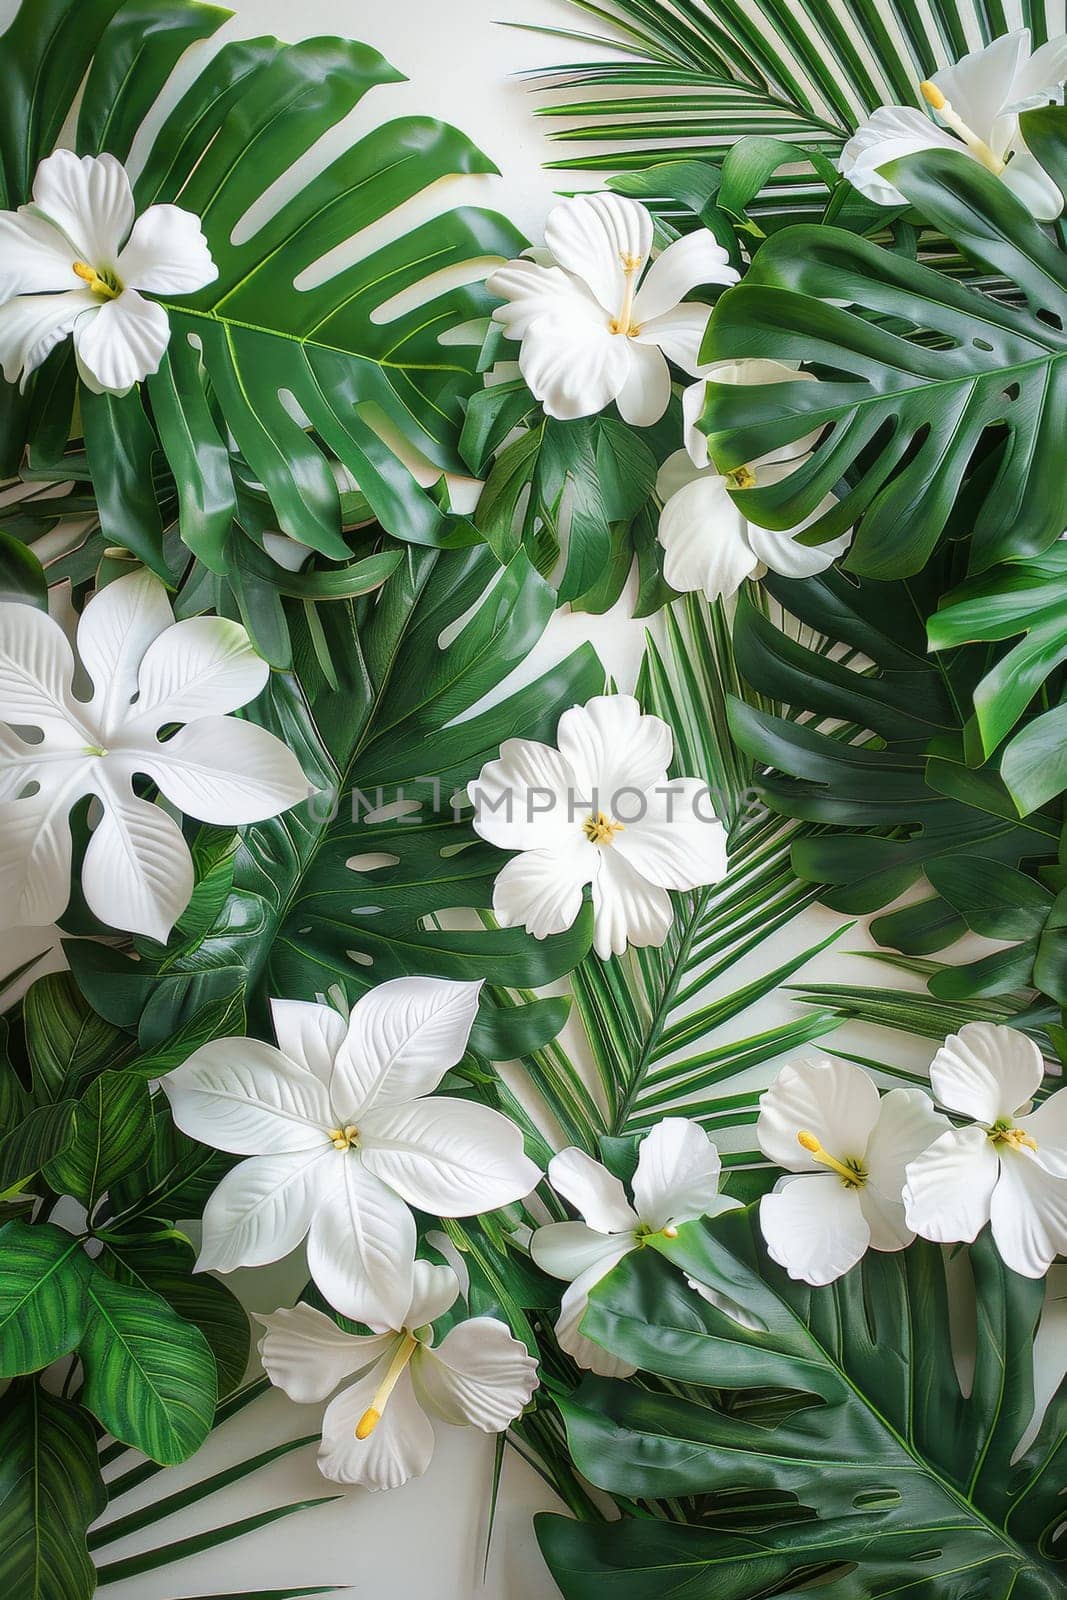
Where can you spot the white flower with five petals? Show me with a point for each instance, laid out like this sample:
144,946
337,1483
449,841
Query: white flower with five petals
601,810
343,1140
978,102
676,1181
708,542
596,326
377,1432
824,1121
75,262
148,672
1008,1166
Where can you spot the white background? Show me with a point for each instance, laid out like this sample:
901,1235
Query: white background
428,1539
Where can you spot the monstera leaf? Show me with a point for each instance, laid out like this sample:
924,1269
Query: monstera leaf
297,352
332,893
936,398
878,1473
881,764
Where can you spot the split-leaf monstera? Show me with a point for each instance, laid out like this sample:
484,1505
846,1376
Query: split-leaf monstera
939,400
874,1473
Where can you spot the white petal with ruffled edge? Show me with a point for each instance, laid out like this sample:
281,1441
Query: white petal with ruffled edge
834,1100
592,1190
589,1355
541,890
263,1207
244,1096
646,393
35,256
223,771
594,236
1047,1126
452,1158
361,1247
678,1172
1028,1212
891,132
89,198
166,253
814,1227
676,842
567,1249
574,365
949,1186
32,325
35,859
522,800
402,1038
695,259
987,1072
705,539
399,1448
907,1125
479,1376
122,343
612,745
434,1290
306,1355
627,908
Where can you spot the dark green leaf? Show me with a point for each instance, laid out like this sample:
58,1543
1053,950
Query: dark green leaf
42,1296
50,1491
113,1138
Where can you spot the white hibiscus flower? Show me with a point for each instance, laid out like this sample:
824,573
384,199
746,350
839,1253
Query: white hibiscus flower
677,1180
377,1432
825,1121
708,542
601,810
1008,1167
147,672
344,1139
978,101
596,327
75,261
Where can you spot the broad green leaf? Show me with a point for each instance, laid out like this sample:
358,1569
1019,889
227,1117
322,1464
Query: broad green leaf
31,1143
21,574
50,1491
926,382
149,1375
42,1296
67,1041
175,1181
113,1137
878,1472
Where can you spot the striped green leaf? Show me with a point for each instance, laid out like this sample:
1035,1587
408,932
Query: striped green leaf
50,1491
43,1275
37,1139
113,1137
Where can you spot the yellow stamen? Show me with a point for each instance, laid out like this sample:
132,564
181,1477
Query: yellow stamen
343,1138
107,290
373,1414
952,119
670,1233
1015,1138
631,266
854,1176
741,478
601,829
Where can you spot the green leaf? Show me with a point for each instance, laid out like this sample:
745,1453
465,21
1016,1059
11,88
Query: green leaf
50,1491
33,1142
175,1181
42,1296
874,1459
67,1041
21,574
920,375
114,1132
149,1375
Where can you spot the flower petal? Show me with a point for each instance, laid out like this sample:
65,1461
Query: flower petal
596,237
949,1186
1029,182
525,799
262,1209
593,1191
573,363
986,1072
435,1289
1039,77
541,890
613,747
32,325
400,1448
572,1308
696,442
834,1100
478,1376
167,253
36,677
123,343
306,1355
814,1227
35,858
705,539
677,841
677,1177
678,471
203,666
885,1218
1047,1126
694,259
627,909
225,771
402,1037
891,132
244,1096
361,1248
35,257
531,292
779,550
1029,1215
907,1125
90,199
567,1249
646,393
138,873
979,85
452,1158
308,1035
114,631
679,334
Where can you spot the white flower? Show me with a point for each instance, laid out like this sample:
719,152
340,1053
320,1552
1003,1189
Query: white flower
677,1180
73,263
593,329
978,101
148,672
824,1120
376,1432
343,1140
1008,1166
600,810
708,542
